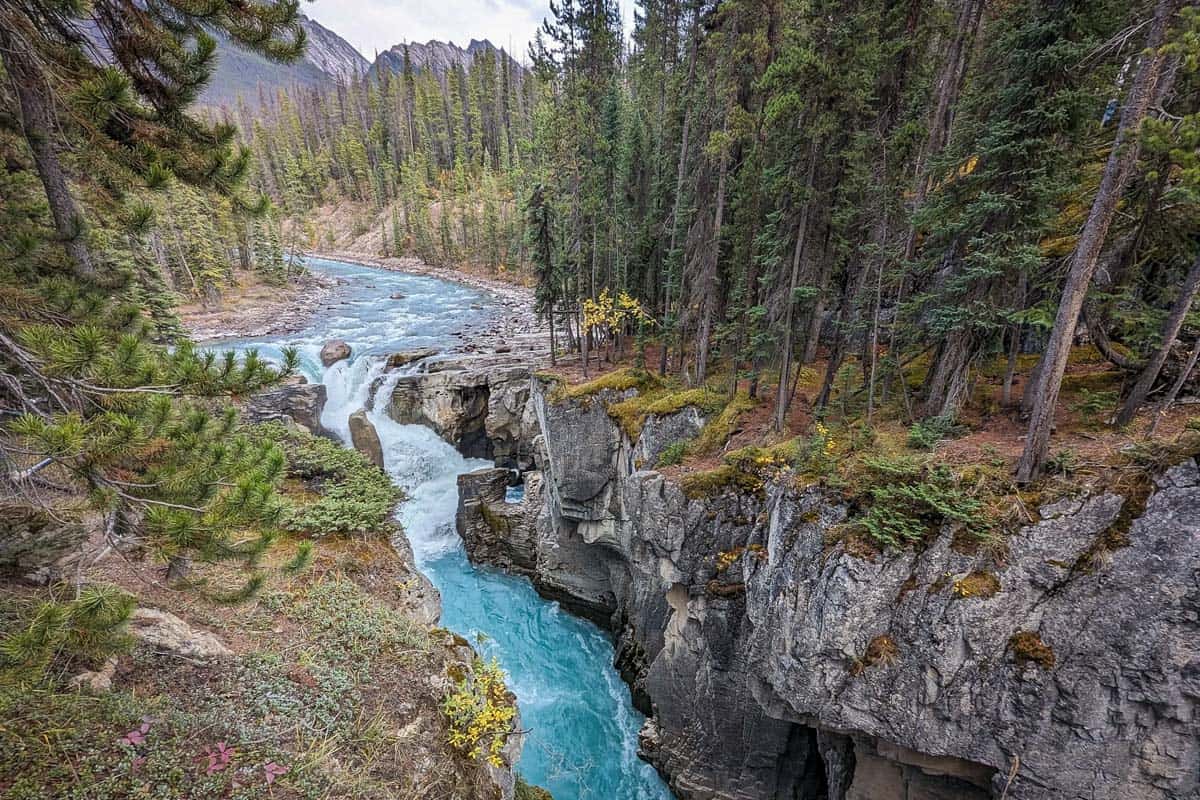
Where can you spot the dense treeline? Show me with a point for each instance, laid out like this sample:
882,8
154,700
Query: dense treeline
438,159
886,186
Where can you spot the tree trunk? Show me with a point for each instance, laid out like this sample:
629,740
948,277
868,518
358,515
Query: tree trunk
584,336
1010,370
39,124
812,337
948,87
1091,239
945,390
550,317
782,394
1099,337
1171,327
680,172
708,286
1169,398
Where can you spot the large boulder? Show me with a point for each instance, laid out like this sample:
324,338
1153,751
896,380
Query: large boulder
165,632
299,403
495,531
365,438
334,351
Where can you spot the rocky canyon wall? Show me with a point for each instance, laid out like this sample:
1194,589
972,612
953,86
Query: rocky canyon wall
774,663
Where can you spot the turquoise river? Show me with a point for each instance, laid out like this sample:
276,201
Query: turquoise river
582,728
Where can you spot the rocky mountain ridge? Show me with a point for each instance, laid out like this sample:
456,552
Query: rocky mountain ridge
440,57
329,59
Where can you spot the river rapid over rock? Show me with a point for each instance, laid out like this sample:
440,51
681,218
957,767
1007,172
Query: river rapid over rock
580,727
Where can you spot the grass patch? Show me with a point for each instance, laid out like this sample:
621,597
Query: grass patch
746,469
1028,648
354,626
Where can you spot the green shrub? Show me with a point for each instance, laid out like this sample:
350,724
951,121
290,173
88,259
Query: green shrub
672,454
1064,462
1094,404
910,501
526,791
355,496
481,712
925,435
84,631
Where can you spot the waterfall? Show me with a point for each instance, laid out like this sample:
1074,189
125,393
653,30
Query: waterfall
582,740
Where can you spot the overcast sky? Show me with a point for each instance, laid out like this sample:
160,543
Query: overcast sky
376,25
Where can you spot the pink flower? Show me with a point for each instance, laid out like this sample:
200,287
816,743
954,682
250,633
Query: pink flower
135,737
218,757
273,771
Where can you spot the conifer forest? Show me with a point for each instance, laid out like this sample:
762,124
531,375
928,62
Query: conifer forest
934,263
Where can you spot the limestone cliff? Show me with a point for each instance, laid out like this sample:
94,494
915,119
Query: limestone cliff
775,664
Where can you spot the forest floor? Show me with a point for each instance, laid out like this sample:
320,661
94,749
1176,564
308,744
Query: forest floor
329,684
986,440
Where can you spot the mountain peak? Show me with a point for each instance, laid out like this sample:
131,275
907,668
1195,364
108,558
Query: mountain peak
434,55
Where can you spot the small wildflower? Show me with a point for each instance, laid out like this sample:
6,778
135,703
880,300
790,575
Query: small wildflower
219,757
273,771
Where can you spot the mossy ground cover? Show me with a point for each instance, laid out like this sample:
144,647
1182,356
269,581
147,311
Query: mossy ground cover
617,380
631,414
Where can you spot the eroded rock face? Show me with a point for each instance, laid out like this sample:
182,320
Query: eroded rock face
496,532
301,403
778,665
482,412
365,438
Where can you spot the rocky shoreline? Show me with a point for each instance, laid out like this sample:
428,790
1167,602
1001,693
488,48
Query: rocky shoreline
512,328
284,310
